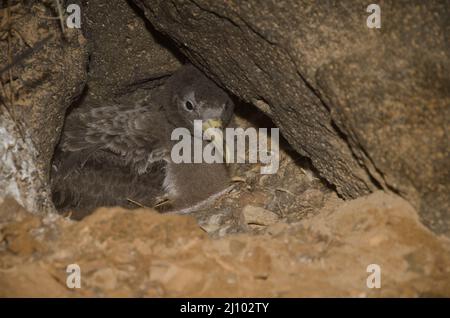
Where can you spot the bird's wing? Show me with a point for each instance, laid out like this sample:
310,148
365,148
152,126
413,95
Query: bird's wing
126,133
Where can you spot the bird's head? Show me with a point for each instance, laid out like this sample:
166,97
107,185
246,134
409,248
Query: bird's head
193,96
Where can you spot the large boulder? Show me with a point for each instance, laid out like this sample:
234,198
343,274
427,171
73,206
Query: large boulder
370,107
48,73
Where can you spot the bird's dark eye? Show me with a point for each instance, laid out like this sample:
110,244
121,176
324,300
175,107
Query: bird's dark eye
189,106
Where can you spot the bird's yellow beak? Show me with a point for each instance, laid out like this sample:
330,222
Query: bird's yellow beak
216,139
212,123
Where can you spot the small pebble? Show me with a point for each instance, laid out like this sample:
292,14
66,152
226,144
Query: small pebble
253,215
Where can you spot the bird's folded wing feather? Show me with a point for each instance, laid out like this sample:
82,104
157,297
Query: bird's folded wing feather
132,135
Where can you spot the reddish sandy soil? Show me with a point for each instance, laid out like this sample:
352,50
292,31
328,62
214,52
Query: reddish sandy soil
142,253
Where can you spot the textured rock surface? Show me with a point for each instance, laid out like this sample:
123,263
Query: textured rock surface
370,107
124,51
254,215
33,104
20,176
145,254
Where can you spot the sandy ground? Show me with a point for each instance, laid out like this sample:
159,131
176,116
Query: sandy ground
143,253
